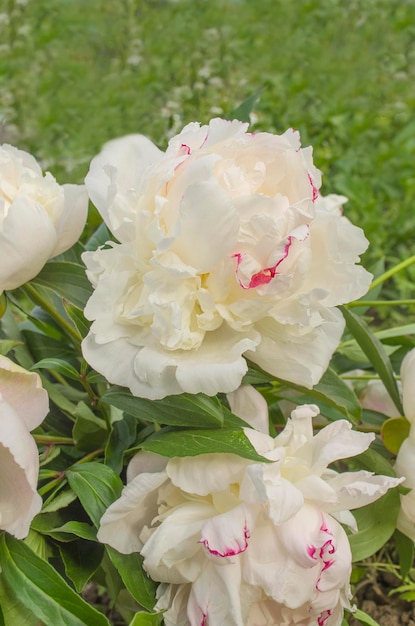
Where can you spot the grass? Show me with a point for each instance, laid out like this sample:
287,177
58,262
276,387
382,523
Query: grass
75,73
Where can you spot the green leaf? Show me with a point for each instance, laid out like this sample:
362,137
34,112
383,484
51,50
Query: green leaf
89,432
333,392
363,618
147,619
60,501
66,280
242,112
98,238
78,319
405,548
81,560
97,486
57,365
76,529
193,442
6,345
394,431
130,568
38,586
13,612
375,352
376,523
182,410
122,436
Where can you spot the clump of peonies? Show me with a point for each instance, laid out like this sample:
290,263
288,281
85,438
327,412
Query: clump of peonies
23,406
236,542
225,253
39,218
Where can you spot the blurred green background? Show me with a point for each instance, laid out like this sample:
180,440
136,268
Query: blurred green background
75,73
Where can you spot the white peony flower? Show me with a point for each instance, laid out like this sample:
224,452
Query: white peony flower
405,460
39,219
23,406
242,543
224,253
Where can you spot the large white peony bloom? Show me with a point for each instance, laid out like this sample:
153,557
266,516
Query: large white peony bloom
23,406
39,218
224,252
248,544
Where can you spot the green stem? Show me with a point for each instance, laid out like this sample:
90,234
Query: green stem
89,456
37,298
51,439
381,303
394,270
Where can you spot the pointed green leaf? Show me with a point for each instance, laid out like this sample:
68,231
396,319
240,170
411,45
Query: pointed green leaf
96,485
57,365
242,112
375,352
81,560
78,319
122,436
130,568
363,618
89,432
194,442
67,280
6,345
37,585
195,410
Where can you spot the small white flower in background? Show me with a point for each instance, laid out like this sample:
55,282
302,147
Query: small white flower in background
23,406
242,543
405,460
224,253
39,218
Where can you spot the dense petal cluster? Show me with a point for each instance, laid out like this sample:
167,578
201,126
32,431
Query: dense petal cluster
245,543
39,218
225,252
23,406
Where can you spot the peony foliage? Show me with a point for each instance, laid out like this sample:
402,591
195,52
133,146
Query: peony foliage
199,416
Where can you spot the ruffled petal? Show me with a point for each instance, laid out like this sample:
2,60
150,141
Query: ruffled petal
206,473
251,406
122,522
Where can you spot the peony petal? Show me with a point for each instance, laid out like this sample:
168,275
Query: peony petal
338,441
115,175
227,535
356,489
123,520
27,240
251,406
206,473
302,358
23,391
209,225
19,468
73,218
145,463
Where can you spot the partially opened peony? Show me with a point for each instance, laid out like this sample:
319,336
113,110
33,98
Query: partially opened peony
39,218
224,252
23,406
248,544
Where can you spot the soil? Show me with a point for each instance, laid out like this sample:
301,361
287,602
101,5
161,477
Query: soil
373,598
